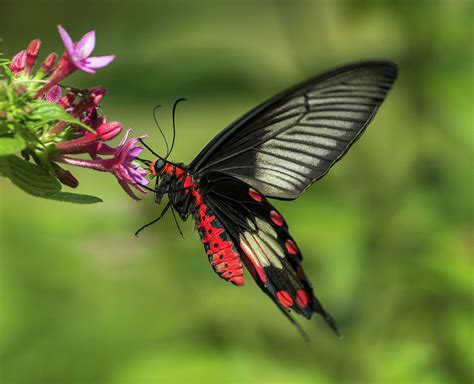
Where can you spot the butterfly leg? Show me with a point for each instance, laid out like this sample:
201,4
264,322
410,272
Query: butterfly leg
163,212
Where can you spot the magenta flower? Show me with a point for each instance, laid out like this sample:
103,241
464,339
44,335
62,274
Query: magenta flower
122,165
78,53
66,138
125,169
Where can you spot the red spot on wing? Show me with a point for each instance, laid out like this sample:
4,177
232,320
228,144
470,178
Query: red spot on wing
299,272
255,195
291,247
301,298
285,298
276,218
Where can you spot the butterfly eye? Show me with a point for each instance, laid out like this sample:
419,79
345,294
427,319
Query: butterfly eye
158,165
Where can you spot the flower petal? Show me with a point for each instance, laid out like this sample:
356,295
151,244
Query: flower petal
99,61
127,189
137,176
133,154
86,45
81,65
67,41
125,137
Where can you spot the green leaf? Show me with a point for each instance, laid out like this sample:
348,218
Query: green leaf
77,198
29,177
11,144
45,112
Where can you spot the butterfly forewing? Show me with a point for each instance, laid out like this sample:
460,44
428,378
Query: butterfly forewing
293,139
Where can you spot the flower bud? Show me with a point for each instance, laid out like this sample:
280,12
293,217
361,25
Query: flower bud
48,63
32,54
65,177
18,62
108,131
54,94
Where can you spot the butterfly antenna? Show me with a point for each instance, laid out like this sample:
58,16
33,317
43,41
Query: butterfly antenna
147,147
158,125
144,161
177,223
174,126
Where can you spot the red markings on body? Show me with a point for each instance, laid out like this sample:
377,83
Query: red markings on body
285,298
255,195
167,168
223,256
151,167
261,273
301,298
291,247
190,186
276,218
179,172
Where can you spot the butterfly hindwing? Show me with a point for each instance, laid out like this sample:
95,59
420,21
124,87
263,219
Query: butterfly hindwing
266,246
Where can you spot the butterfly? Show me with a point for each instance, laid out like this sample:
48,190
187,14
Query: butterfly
274,151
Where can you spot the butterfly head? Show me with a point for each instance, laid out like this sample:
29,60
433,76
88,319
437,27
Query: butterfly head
156,166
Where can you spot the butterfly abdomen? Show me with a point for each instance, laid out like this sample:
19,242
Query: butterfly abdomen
221,251
188,198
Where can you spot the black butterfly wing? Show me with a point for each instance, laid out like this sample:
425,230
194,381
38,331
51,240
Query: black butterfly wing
265,244
285,144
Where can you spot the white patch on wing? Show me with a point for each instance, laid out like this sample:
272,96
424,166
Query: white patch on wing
264,226
255,250
262,245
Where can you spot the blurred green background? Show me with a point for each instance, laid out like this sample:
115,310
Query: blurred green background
386,236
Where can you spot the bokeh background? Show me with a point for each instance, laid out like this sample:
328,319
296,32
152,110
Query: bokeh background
386,236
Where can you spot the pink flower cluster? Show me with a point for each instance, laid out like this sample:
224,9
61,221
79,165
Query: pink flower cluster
83,105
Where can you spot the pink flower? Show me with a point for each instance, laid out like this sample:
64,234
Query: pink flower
122,165
78,53
18,62
75,57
